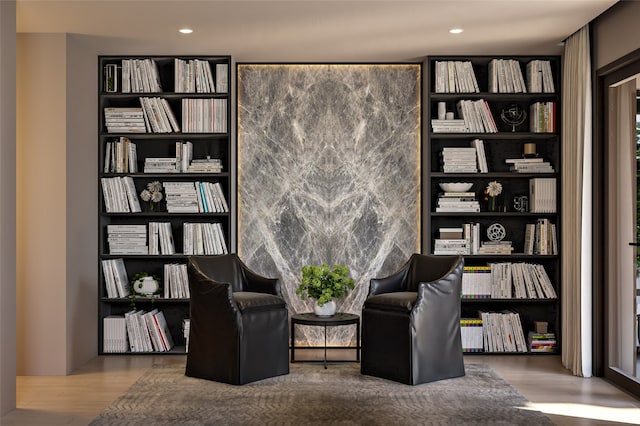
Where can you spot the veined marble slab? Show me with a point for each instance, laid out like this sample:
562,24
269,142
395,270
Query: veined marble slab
328,171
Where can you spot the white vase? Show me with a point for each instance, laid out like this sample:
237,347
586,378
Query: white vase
326,310
146,286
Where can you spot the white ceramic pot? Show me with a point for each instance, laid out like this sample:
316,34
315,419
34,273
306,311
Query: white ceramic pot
146,285
326,310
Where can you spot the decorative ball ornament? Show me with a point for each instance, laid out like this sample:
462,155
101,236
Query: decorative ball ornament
496,232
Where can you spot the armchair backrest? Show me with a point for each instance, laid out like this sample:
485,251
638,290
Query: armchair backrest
224,269
425,268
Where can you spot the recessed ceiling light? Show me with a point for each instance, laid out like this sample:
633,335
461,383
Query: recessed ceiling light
185,30
456,30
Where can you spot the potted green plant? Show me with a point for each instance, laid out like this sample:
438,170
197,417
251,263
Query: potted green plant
144,284
325,284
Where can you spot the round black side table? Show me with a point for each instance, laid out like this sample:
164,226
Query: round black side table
340,318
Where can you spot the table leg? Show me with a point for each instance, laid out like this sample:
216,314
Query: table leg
325,345
293,341
358,340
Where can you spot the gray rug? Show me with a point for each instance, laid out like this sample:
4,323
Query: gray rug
310,395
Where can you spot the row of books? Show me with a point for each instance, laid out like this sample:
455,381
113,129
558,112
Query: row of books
541,238
115,278
186,327
477,116
459,160
176,282
143,331
507,280
204,115
119,194
502,333
204,239
160,238
183,162
158,116
124,120
542,117
140,76
195,197
504,75
198,239
121,156
542,195
195,76
455,77
540,77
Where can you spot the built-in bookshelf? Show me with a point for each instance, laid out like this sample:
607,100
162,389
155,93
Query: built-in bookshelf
164,183
494,124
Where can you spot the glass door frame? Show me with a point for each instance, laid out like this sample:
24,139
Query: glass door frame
619,70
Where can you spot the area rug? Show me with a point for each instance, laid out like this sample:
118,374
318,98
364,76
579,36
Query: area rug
311,395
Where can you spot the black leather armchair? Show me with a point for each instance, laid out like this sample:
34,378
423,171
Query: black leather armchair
411,322
239,322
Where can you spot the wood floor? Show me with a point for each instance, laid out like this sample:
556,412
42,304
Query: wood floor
76,399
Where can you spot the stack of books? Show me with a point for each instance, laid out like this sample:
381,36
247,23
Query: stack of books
495,247
124,120
451,241
181,197
459,160
127,239
542,342
529,165
454,125
160,165
457,202
205,165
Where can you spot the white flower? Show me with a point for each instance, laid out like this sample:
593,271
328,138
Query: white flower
156,197
145,195
494,189
154,186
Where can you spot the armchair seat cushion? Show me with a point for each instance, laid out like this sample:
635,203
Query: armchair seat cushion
402,301
251,301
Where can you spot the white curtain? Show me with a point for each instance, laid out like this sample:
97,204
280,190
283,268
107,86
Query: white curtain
576,205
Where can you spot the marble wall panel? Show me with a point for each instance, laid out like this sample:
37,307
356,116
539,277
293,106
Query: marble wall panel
328,171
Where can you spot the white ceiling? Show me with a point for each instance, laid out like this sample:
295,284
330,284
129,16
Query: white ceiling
322,30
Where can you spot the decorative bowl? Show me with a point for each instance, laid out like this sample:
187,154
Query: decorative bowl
456,186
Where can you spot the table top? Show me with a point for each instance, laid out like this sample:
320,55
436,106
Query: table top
340,318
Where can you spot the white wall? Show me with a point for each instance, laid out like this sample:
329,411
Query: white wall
7,206
41,198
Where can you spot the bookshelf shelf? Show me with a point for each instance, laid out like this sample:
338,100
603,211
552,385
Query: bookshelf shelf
504,139
160,143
